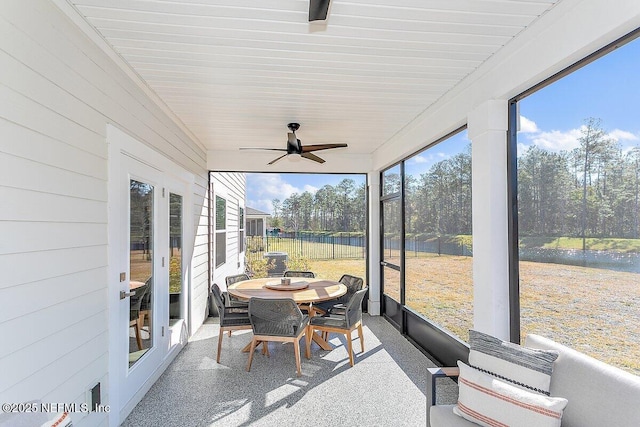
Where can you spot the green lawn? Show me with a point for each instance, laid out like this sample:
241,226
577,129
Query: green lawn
592,310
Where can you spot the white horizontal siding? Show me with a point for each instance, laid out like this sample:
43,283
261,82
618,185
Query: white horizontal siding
46,236
199,260
26,267
47,150
27,330
58,93
18,172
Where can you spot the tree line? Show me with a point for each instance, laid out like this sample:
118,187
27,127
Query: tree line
332,208
590,191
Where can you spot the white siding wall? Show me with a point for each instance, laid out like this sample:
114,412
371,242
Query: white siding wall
58,92
231,187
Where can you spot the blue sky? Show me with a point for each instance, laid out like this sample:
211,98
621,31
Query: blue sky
608,89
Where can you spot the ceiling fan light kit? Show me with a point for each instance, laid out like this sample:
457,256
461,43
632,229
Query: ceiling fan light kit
295,147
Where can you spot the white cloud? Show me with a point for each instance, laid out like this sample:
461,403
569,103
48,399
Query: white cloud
428,157
622,135
310,188
557,140
263,188
528,126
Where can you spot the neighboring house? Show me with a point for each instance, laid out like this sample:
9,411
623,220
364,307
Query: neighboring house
256,222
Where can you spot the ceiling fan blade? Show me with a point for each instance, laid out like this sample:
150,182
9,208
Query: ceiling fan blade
317,147
275,160
318,10
257,148
313,157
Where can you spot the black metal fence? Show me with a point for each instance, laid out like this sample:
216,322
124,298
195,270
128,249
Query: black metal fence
307,245
441,246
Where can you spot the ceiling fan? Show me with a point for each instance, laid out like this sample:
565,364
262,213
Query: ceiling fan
294,146
318,10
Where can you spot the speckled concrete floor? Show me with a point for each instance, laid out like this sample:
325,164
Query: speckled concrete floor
386,387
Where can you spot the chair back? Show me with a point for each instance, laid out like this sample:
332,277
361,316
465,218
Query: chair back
295,273
353,312
353,284
135,300
146,299
276,317
230,280
217,298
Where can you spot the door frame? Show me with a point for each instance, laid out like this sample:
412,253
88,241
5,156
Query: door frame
173,178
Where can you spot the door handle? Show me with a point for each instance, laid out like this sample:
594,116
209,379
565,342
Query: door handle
124,294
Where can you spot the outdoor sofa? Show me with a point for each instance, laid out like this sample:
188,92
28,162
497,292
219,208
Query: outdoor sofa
597,394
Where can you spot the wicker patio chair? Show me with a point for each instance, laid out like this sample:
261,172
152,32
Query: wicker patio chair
303,274
277,320
135,302
353,284
145,307
230,300
343,322
231,319
295,273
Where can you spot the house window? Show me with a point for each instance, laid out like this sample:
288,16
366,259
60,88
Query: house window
221,231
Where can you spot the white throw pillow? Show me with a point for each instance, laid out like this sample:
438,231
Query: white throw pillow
523,367
488,401
62,419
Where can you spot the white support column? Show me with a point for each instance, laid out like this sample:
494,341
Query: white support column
374,243
487,129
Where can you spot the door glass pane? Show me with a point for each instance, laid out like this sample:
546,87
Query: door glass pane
391,279
175,256
140,269
391,217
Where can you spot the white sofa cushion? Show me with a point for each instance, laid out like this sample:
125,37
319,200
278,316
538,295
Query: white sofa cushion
442,415
526,368
599,394
490,402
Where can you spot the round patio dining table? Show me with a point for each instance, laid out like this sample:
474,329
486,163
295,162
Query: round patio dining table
317,290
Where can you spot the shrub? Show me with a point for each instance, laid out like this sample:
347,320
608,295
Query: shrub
298,262
259,268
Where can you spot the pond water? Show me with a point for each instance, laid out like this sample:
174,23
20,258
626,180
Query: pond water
627,262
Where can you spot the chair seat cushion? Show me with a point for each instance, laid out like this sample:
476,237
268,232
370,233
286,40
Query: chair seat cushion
232,318
325,305
330,321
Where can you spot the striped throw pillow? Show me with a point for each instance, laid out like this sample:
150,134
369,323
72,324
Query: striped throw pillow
523,367
488,401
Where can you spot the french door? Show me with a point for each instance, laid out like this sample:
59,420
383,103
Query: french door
143,290
148,268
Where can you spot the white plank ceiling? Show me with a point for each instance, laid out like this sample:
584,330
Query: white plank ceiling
236,72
